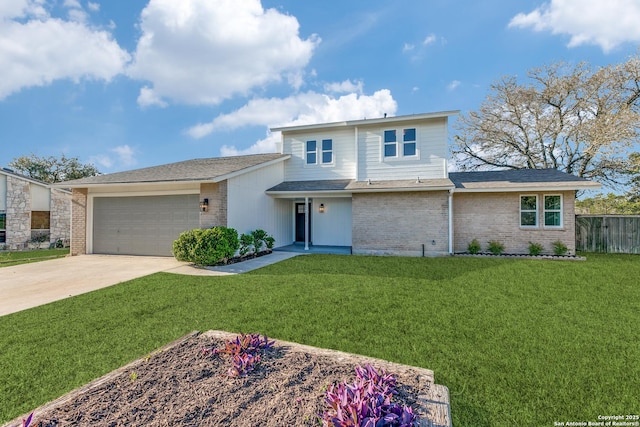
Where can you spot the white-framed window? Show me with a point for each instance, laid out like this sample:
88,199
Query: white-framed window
311,153
529,210
327,151
553,210
409,142
390,143
408,148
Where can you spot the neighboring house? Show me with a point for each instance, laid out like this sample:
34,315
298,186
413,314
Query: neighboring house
378,186
32,211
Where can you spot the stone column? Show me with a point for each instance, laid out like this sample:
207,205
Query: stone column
18,213
60,227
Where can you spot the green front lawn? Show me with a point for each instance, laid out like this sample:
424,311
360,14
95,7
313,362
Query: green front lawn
518,342
23,257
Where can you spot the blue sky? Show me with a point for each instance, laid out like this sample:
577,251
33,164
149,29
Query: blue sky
129,84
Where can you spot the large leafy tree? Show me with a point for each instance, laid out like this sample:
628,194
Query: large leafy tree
573,118
52,169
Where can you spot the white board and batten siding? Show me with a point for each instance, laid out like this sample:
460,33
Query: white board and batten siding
333,226
249,208
344,155
3,192
428,163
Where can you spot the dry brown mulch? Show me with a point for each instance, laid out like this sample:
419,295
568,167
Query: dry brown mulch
182,386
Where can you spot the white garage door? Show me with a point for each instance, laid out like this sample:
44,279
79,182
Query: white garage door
145,225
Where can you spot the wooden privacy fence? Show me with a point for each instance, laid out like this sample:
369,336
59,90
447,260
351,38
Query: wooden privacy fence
608,233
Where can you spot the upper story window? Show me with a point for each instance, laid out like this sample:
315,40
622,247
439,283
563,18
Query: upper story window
311,153
408,148
327,151
553,210
390,143
409,142
529,211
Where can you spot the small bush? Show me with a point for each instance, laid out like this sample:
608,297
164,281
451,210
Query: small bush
559,248
246,243
495,247
474,247
535,248
245,352
206,247
258,239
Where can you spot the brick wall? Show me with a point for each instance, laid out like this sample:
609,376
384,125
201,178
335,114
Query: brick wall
496,216
216,215
400,223
79,221
18,231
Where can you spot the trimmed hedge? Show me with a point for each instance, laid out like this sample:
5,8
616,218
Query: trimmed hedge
208,246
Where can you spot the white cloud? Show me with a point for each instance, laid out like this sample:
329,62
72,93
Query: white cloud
126,155
454,85
430,39
124,158
202,52
301,109
346,86
148,98
94,7
408,47
606,24
36,49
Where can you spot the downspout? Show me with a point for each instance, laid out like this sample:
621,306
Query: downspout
306,223
451,221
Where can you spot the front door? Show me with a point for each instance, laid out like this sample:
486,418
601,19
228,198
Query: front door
300,224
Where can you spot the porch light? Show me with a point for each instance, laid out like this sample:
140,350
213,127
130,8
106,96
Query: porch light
204,205
321,208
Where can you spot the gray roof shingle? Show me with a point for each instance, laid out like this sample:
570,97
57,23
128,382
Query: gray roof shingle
208,169
518,178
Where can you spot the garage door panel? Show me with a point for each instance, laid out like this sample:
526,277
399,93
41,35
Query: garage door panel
145,225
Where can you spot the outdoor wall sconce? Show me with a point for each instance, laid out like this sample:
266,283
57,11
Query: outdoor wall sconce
204,205
321,208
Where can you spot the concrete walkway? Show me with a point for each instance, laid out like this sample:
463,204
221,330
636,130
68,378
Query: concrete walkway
30,285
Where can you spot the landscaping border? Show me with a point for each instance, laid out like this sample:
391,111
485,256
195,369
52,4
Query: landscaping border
432,403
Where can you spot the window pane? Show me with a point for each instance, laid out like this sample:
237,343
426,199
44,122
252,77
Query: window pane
311,158
552,219
528,219
3,236
3,221
390,150
552,203
327,157
311,146
389,136
409,149
527,203
40,220
409,135
327,144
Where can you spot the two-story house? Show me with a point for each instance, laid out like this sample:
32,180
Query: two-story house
377,186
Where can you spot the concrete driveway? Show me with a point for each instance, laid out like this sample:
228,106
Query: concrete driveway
30,285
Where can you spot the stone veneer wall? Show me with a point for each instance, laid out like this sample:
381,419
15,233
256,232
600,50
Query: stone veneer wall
79,221
18,213
496,216
60,227
400,223
216,215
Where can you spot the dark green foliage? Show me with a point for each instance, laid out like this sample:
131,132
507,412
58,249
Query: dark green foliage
474,247
559,248
246,243
495,247
258,239
535,248
208,246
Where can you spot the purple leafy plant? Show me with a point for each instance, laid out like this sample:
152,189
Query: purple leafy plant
245,351
366,402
